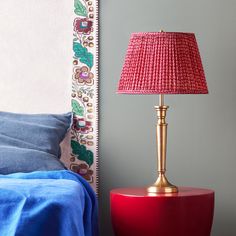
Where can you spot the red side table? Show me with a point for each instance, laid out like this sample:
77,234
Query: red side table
187,213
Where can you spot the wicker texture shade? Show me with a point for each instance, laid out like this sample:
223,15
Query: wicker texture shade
163,63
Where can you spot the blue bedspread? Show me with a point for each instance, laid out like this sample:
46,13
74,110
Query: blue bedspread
53,203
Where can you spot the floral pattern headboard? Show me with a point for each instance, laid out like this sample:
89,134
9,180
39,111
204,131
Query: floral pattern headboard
84,97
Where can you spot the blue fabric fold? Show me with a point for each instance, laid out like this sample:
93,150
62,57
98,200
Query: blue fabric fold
31,142
47,203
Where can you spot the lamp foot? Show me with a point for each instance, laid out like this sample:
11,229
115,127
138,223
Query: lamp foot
162,185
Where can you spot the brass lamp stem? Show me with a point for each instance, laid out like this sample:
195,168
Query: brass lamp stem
162,185
161,100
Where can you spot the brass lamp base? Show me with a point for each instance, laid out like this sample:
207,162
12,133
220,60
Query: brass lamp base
162,185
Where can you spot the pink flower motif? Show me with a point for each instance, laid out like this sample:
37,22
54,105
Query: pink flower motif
81,125
83,25
84,75
83,170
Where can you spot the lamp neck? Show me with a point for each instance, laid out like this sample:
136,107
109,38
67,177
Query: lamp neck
161,100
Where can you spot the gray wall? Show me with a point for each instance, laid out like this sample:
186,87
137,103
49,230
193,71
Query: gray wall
201,142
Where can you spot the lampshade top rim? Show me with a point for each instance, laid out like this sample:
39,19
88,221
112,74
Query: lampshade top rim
161,33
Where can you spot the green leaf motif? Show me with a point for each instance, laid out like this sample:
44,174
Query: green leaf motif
83,55
77,108
81,152
80,9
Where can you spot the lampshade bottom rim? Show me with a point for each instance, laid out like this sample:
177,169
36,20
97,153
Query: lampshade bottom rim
150,92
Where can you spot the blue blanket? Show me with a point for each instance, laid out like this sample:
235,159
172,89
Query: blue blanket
53,203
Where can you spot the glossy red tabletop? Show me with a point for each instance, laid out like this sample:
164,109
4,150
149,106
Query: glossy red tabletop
142,192
189,212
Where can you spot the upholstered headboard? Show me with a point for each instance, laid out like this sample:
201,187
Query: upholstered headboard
43,73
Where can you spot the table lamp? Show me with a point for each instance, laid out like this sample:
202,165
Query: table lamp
162,63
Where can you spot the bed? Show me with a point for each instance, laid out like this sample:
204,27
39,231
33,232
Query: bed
42,203
39,196
49,160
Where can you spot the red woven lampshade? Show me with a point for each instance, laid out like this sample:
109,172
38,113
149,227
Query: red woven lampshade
163,63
